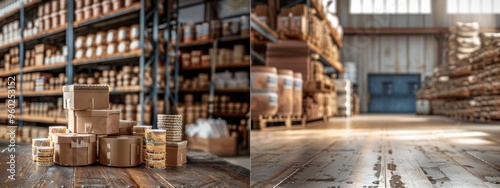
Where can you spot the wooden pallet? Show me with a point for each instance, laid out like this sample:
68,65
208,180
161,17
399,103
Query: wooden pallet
269,122
317,86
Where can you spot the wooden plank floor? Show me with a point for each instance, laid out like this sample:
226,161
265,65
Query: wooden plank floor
201,170
379,151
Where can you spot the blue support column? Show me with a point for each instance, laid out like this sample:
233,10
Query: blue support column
142,59
167,61
21,63
70,42
154,92
176,74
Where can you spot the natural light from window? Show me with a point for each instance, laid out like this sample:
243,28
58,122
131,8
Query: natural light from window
473,7
390,7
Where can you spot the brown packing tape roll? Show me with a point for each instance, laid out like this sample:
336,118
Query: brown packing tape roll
44,161
45,151
121,151
74,149
156,135
155,147
155,156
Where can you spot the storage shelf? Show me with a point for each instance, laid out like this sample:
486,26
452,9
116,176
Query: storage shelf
191,90
232,90
225,90
44,67
263,29
56,92
195,43
333,32
230,115
110,16
9,72
10,13
30,4
209,42
125,89
109,59
5,47
45,34
222,66
38,119
327,61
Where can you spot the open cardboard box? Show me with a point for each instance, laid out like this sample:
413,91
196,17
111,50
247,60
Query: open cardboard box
222,147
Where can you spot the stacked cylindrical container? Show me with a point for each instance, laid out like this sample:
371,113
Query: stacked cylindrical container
38,142
141,130
264,88
175,146
156,148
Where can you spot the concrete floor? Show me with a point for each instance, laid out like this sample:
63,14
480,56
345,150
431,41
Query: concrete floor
379,151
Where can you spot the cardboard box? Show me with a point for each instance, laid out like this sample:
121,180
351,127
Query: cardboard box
86,97
120,151
126,127
74,149
176,153
94,121
225,146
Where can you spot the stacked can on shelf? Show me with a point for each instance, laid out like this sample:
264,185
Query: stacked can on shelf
156,148
38,142
45,156
140,130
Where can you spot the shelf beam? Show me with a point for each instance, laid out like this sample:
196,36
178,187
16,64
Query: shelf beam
263,29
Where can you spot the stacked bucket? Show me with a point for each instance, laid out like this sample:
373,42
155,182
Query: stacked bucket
45,156
156,148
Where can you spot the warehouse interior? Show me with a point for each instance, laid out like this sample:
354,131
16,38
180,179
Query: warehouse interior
395,93
172,74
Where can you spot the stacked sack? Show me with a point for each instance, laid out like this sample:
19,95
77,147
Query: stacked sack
174,145
463,40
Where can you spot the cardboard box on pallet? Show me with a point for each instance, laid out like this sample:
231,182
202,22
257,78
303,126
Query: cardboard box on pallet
222,147
74,149
176,153
84,97
94,121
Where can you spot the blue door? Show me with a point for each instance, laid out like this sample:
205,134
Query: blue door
392,93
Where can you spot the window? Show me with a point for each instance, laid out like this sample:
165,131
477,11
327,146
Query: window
473,7
390,7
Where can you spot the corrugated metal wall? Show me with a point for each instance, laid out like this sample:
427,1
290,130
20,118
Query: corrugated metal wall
397,54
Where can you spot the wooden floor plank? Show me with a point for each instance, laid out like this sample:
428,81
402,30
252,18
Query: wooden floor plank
397,151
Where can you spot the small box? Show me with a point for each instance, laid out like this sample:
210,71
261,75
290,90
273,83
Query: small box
176,153
224,146
94,121
86,97
283,24
74,149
